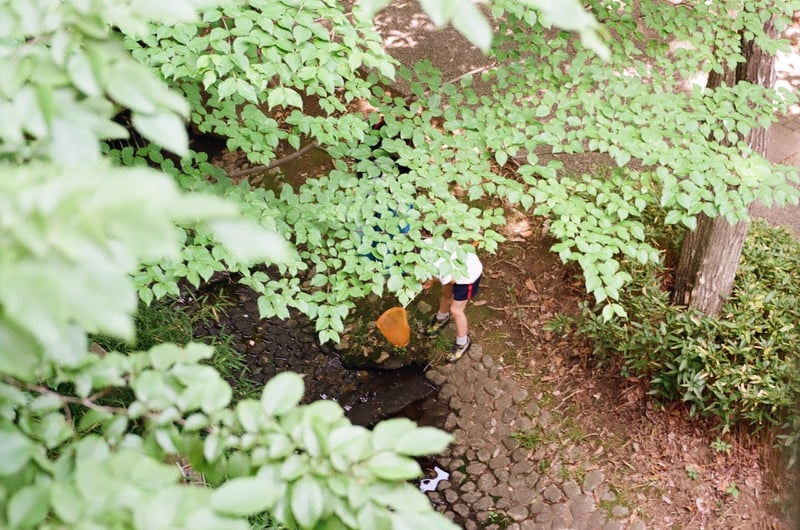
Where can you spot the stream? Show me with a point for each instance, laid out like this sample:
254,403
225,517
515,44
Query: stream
271,346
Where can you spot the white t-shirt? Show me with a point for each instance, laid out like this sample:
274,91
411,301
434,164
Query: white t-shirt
473,263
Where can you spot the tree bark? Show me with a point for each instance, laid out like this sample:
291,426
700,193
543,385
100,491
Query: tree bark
710,254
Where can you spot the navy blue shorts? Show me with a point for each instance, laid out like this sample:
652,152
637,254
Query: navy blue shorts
465,291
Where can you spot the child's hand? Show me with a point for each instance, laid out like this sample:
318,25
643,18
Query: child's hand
427,285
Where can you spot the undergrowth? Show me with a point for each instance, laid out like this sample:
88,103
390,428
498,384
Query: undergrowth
741,367
172,321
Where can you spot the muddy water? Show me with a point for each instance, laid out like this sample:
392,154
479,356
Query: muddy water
273,345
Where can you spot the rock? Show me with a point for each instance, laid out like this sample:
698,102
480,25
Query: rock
498,462
461,509
476,468
552,493
523,496
518,513
520,454
472,497
424,307
636,524
593,479
571,490
619,511
582,505
486,482
522,468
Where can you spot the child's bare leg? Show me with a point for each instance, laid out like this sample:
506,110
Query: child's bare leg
446,299
458,316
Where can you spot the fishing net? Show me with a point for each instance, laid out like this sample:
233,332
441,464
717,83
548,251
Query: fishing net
393,324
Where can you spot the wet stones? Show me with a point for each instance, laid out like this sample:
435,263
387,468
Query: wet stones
494,476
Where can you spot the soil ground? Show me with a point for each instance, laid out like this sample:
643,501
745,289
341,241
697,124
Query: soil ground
660,462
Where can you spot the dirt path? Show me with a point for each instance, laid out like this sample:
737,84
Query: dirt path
545,440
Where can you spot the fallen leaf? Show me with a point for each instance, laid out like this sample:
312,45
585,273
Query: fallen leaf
479,302
530,285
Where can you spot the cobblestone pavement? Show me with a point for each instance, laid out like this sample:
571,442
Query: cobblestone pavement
784,140
783,148
497,480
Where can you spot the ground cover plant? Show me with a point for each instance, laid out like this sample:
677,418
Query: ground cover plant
740,367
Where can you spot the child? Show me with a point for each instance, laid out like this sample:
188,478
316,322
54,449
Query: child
454,296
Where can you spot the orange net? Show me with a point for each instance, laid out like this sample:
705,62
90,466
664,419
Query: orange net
393,324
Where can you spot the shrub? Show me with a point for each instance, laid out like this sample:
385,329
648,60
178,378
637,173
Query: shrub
739,367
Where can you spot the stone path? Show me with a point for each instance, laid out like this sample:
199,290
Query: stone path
497,480
783,148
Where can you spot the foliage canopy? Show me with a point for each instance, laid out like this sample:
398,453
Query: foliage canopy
80,217
455,155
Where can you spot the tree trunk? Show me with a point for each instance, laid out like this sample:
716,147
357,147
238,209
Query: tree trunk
710,254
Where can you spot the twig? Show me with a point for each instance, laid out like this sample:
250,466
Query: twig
529,329
486,68
567,397
275,163
86,402
508,307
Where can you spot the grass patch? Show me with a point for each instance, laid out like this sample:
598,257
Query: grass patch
171,321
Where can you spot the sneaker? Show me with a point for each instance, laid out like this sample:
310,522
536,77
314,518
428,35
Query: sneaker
458,351
436,325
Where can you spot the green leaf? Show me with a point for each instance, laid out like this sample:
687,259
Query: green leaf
246,496
125,82
421,521
228,87
422,441
470,22
307,501
80,72
246,90
292,98
168,13
622,158
390,466
276,97
565,14
165,129
164,356
301,34
386,433
249,242
439,11
673,216
28,507
351,442
16,449
67,502
637,231
371,7
282,393
250,415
